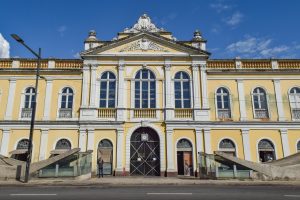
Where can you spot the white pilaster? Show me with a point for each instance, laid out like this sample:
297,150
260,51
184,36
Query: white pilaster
207,141
43,146
93,87
285,142
132,96
199,141
120,149
204,87
4,142
196,85
91,136
85,86
169,101
11,97
170,151
279,100
15,64
82,140
246,144
120,91
47,106
242,102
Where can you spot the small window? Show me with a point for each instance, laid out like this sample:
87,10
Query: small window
260,103
223,103
294,96
29,97
63,144
227,146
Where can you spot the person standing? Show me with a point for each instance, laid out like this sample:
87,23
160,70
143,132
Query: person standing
100,167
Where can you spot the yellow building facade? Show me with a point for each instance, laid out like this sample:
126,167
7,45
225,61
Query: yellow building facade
148,104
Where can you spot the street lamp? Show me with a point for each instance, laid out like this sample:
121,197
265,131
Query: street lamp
38,55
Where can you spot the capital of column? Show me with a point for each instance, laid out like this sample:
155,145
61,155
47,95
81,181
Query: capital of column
245,131
203,67
121,67
198,131
276,81
167,67
169,131
195,67
120,131
44,131
6,130
239,80
86,66
12,80
206,130
283,131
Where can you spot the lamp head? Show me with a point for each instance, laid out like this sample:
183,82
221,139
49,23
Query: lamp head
17,38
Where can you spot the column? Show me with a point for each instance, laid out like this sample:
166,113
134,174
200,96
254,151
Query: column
246,144
43,146
120,149
4,142
132,89
93,86
242,101
170,153
82,140
207,141
85,86
11,97
285,142
196,84
120,92
204,87
199,145
91,136
47,106
169,101
279,100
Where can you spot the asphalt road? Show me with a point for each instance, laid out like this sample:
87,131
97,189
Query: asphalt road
186,192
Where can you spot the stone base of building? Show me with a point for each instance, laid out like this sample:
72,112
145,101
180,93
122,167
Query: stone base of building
172,174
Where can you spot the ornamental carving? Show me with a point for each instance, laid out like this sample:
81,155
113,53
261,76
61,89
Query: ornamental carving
143,24
144,45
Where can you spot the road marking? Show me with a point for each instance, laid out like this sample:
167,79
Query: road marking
33,194
169,193
292,195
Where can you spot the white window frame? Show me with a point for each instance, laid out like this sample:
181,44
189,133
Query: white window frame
290,95
59,103
22,103
149,80
267,103
229,103
181,81
108,80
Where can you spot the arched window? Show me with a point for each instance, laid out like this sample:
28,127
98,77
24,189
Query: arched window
23,144
145,92
260,103
223,103
29,100
266,151
227,146
295,102
298,146
67,98
63,144
182,90
108,90
66,103
29,97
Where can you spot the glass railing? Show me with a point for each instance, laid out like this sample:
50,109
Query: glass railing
72,166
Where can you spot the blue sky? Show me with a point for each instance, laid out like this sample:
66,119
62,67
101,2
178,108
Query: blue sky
244,28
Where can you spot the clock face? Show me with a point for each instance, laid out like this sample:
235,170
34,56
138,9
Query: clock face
144,137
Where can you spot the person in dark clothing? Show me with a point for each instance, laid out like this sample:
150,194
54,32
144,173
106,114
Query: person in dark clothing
100,167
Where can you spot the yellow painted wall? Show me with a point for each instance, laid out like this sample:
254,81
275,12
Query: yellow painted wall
54,135
272,135
111,135
185,134
3,97
294,137
234,135
17,135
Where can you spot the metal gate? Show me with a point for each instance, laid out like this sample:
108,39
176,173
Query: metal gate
144,153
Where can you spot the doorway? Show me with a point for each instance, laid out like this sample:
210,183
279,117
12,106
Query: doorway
185,158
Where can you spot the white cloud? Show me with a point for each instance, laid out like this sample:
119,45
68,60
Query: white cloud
258,47
62,30
235,19
220,7
4,47
77,55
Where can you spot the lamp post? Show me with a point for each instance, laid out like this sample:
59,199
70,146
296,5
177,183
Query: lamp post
38,55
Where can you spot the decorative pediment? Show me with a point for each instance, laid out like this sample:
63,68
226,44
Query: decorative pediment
143,24
143,45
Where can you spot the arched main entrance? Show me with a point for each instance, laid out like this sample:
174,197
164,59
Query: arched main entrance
105,152
266,151
144,152
185,158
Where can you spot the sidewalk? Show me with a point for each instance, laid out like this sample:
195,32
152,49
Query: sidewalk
141,181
